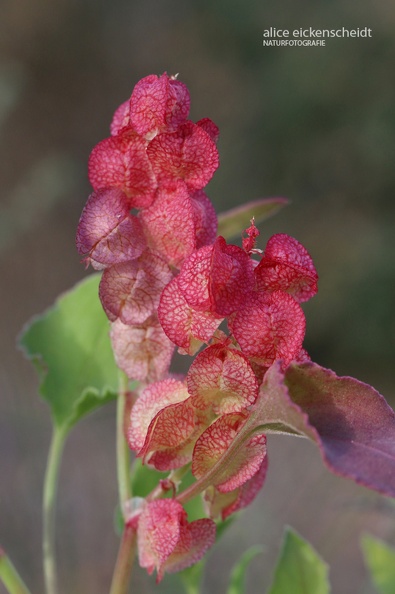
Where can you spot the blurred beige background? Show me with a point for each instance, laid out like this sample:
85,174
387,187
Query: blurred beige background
316,125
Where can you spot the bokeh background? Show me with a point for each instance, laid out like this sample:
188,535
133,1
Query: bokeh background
316,125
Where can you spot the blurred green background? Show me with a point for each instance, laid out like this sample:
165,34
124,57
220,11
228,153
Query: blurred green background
316,125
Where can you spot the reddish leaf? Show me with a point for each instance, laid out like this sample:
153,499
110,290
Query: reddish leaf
350,422
185,327
107,233
169,224
221,378
216,441
158,103
270,326
130,291
188,154
121,162
142,351
287,266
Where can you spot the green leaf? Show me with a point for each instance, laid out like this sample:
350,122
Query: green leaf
232,222
299,568
70,348
237,578
380,559
145,479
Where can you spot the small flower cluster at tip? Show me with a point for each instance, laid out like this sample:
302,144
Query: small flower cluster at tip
168,281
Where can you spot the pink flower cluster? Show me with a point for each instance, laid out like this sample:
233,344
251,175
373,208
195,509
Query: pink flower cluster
169,281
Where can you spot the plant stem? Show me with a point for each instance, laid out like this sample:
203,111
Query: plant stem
123,456
49,508
10,577
124,564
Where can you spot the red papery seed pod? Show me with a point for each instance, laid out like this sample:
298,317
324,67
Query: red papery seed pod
121,162
221,378
287,266
270,326
107,233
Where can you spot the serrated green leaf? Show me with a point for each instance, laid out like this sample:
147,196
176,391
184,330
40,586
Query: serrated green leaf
232,222
70,347
299,569
380,559
237,578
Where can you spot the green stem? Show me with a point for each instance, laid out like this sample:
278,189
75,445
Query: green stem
10,577
123,455
124,564
49,508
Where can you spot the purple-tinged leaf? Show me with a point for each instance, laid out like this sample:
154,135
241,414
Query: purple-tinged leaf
349,421
232,222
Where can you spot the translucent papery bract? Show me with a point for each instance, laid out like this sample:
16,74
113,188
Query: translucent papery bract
188,154
214,443
224,504
169,224
142,351
130,291
153,399
270,326
172,434
217,278
167,542
184,326
121,162
158,532
208,126
121,118
107,233
205,219
221,378
158,103
287,266
195,539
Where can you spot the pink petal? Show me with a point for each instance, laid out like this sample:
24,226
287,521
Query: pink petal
121,118
130,291
121,162
107,233
158,103
287,266
142,351
169,224
154,398
188,154
217,278
205,219
223,379
270,326
213,444
185,327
